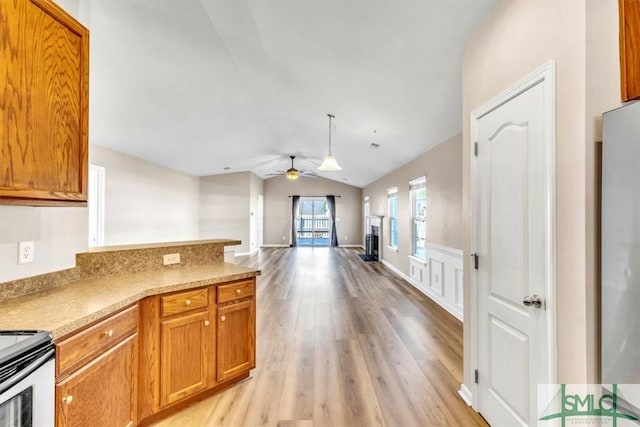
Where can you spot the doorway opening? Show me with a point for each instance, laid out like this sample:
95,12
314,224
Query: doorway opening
313,222
95,203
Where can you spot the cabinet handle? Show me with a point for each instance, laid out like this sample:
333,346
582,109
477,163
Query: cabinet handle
67,399
223,318
238,291
108,333
187,302
206,323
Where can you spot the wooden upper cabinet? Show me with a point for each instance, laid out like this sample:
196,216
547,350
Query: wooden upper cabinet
44,80
630,49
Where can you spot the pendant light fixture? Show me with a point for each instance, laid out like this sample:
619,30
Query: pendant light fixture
330,163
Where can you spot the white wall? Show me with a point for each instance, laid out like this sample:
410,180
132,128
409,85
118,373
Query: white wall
277,208
58,234
146,202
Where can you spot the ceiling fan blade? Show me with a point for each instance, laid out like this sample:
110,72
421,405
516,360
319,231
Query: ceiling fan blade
308,176
275,174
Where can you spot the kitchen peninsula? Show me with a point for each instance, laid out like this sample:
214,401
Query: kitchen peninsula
137,339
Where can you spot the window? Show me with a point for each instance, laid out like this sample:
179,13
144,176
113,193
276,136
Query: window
393,216
418,189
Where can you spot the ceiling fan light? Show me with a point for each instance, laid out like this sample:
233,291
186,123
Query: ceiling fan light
292,175
330,164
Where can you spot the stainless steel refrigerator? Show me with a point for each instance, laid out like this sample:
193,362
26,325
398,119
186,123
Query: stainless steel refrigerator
620,292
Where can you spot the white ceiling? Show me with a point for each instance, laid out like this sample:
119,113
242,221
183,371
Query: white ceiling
197,85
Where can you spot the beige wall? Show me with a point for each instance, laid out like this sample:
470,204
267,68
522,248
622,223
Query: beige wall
277,208
229,208
57,233
442,165
145,202
516,39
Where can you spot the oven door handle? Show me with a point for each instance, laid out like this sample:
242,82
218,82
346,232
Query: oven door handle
28,370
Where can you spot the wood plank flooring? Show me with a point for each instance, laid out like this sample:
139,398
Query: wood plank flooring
341,342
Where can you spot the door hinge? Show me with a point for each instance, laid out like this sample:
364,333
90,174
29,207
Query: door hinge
475,148
475,376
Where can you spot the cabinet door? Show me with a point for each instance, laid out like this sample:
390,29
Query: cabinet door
183,356
629,49
236,338
103,392
44,78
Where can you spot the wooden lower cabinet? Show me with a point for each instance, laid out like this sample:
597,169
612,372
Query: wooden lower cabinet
156,356
236,338
102,392
184,355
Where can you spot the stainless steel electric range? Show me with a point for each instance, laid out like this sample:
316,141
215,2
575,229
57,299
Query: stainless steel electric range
27,379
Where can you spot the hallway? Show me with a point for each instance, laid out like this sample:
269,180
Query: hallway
341,342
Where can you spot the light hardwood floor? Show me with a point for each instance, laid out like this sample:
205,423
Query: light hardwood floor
341,342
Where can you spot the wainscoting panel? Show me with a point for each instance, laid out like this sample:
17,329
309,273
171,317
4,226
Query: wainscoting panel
435,278
440,277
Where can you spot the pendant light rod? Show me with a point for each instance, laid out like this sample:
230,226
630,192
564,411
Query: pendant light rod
331,117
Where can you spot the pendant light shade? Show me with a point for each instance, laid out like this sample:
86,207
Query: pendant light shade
330,163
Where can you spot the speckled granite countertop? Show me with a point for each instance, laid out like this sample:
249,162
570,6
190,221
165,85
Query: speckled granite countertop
64,309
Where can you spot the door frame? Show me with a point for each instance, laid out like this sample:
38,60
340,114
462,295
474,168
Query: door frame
546,74
313,200
99,200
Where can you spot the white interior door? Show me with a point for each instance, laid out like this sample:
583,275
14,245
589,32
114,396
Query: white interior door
513,225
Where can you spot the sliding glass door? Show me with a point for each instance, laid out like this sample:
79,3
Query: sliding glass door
313,222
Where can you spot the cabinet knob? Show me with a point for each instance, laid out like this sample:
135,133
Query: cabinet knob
206,323
187,302
108,333
238,291
223,318
67,399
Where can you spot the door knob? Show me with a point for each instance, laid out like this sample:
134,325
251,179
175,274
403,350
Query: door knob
533,300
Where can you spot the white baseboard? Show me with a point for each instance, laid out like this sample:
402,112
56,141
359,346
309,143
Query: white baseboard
247,253
351,246
465,394
397,272
275,246
439,277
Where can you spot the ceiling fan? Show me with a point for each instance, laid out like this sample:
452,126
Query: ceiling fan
293,173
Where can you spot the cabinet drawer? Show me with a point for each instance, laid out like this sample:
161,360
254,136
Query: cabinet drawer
235,291
184,301
73,352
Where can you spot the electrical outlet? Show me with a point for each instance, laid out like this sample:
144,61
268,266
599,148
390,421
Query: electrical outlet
346,238
283,237
171,259
25,252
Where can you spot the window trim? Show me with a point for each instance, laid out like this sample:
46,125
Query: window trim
392,193
415,185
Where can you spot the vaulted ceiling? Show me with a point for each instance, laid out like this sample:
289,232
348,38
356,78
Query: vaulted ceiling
200,85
